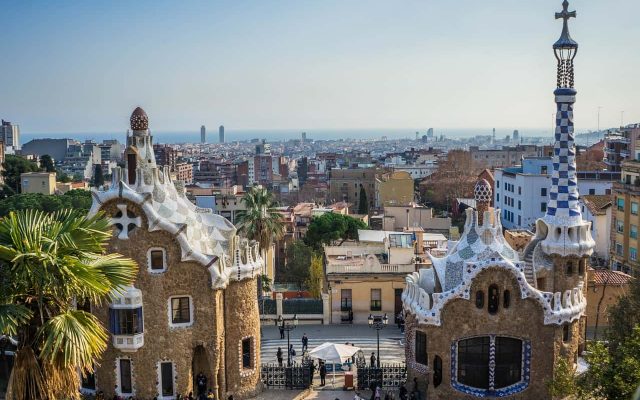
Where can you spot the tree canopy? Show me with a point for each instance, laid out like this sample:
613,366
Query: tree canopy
13,166
260,221
46,163
316,276
331,227
297,268
363,206
74,199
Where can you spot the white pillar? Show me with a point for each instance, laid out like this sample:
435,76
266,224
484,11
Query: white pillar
278,304
326,309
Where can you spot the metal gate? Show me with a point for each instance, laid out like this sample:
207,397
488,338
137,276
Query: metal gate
387,376
297,376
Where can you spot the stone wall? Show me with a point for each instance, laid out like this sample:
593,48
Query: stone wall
462,319
242,321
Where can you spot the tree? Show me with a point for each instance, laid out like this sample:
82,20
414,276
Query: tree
298,264
62,177
316,276
98,177
47,262
260,221
13,166
363,205
564,380
330,227
77,199
455,177
46,163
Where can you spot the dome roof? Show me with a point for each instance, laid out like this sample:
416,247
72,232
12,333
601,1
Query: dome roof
482,191
139,120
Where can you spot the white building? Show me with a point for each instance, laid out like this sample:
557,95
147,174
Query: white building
418,171
10,135
522,192
597,210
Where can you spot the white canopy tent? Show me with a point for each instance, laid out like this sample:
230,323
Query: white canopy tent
334,353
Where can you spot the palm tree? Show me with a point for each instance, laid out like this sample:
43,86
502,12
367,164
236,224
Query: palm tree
260,221
47,263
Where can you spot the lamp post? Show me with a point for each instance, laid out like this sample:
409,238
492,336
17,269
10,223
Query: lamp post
288,325
378,322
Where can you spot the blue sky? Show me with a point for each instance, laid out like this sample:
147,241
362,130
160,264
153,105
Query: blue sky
82,66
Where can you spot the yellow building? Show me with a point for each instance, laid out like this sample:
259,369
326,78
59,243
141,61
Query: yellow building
368,277
38,182
625,244
394,189
604,289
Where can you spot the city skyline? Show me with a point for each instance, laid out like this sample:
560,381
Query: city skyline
299,65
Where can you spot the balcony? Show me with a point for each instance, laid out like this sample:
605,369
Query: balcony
128,343
371,269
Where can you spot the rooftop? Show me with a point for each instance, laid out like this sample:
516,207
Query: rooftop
597,203
608,277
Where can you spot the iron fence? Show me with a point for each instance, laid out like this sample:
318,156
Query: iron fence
387,376
267,306
302,306
297,376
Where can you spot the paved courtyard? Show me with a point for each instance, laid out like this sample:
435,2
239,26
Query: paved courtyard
391,340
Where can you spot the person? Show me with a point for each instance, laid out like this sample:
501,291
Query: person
279,356
323,373
190,396
373,359
312,370
403,392
210,395
378,394
201,383
292,352
281,328
416,389
230,397
305,342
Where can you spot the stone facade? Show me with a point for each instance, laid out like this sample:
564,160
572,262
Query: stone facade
193,301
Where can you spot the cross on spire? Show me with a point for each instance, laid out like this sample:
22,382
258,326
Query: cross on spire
565,14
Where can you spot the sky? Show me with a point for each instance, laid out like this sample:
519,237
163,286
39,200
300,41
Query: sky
83,66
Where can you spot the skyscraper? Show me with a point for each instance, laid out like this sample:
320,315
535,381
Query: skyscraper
304,136
221,133
203,134
10,134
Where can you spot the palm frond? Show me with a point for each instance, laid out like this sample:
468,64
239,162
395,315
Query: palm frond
72,338
12,316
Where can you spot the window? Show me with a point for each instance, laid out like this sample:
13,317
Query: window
490,362
402,240
124,375
543,170
376,299
506,297
345,299
620,203
166,379
566,333
88,381
619,250
519,189
633,253
592,191
543,192
497,197
126,321
479,299
519,205
437,371
620,226
498,184
494,299
543,207
519,220
569,268
634,208
421,348
156,258
247,353
633,231
181,312
581,267
473,362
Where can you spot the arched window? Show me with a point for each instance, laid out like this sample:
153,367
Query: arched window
437,371
480,299
489,364
494,299
569,268
566,332
506,299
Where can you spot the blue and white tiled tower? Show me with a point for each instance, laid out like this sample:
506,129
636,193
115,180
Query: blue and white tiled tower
566,232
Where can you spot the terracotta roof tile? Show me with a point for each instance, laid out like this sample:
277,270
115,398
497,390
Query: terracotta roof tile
614,278
597,203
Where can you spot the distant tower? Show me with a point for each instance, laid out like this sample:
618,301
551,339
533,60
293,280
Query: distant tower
221,133
430,133
203,134
304,136
493,141
516,136
417,135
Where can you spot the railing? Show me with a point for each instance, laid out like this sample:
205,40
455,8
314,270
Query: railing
267,306
302,306
371,269
298,376
387,376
